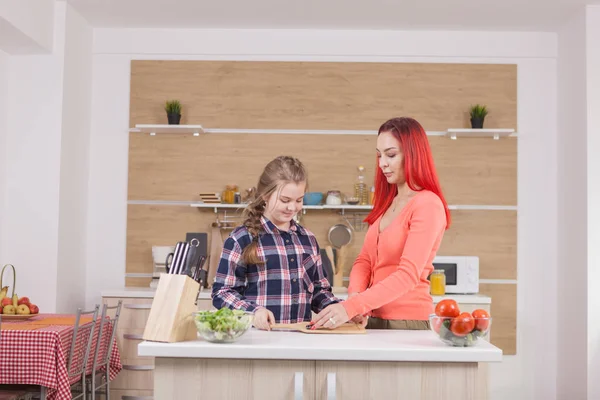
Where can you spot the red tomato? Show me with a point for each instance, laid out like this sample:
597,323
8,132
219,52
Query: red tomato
447,308
481,324
463,324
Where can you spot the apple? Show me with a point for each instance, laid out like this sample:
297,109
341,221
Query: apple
10,309
7,301
34,309
23,300
23,309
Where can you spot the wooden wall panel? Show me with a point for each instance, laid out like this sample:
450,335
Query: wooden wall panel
491,235
477,171
504,315
322,95
298,95
178,167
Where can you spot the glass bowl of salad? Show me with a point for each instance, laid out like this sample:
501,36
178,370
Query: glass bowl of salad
222,326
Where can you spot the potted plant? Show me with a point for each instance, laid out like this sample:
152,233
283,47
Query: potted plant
478,114
173,109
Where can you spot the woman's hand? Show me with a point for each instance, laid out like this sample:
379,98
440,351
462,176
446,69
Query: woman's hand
263,319
361,319
331,317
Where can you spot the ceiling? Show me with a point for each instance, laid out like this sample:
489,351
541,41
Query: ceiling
513,15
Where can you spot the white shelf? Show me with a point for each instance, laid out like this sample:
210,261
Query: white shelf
342,207
493,133
196,130
347,207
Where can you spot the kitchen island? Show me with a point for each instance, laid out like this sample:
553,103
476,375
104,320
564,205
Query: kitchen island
380,364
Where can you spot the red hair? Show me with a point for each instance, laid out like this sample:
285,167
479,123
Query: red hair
419,168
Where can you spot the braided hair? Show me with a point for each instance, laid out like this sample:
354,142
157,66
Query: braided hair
277,173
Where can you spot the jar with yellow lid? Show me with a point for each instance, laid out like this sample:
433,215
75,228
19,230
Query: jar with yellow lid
228,195
437,282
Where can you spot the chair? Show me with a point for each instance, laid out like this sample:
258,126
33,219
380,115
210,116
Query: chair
16,392
104,344
79,354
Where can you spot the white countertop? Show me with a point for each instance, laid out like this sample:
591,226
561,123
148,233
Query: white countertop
148,293
375,345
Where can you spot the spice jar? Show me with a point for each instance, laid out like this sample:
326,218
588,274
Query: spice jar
437,282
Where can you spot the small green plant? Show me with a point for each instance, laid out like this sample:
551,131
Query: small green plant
478,112
173,107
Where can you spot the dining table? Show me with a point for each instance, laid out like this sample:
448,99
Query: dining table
35,351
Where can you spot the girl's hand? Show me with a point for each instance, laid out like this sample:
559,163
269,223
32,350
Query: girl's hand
263,319
331,317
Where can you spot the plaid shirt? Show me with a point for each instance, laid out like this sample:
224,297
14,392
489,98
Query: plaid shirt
290,284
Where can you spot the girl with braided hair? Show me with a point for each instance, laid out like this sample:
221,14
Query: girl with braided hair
271,265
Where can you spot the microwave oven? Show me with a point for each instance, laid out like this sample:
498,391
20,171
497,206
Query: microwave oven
462,273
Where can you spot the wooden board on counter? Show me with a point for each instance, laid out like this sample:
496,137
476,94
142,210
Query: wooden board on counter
322,95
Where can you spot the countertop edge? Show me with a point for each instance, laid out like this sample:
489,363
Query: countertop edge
450,355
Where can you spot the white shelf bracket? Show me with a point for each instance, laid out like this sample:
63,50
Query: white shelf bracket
196,133
496,136
152,133
453,136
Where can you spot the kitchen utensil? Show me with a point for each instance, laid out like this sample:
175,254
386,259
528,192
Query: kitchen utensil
188,264
327,268
183,259
329,252
170,318
202,249
171,257
216,246
304,327
339,236
199,274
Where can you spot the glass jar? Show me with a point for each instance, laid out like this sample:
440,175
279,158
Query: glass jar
228,196
334,198
437,282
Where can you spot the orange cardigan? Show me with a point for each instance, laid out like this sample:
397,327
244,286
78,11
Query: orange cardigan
390,273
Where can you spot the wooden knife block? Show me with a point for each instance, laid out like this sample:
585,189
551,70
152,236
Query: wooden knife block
171,318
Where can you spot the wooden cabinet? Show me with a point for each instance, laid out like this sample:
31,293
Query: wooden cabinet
234,379
201,379
398,380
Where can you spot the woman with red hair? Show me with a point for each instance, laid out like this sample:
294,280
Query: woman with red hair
388,281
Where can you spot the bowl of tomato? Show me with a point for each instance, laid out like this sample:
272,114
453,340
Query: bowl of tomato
459,329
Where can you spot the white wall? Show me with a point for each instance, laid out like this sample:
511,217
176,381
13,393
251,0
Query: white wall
572,217
26,26
4,97
527,375
593,197
74,154
30,225
45,188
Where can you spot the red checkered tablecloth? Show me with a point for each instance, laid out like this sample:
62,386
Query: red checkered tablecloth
40,356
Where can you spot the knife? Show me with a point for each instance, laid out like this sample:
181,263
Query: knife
200,273
183,258
176,252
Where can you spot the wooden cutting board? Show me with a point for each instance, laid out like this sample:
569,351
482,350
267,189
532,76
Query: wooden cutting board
348,328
